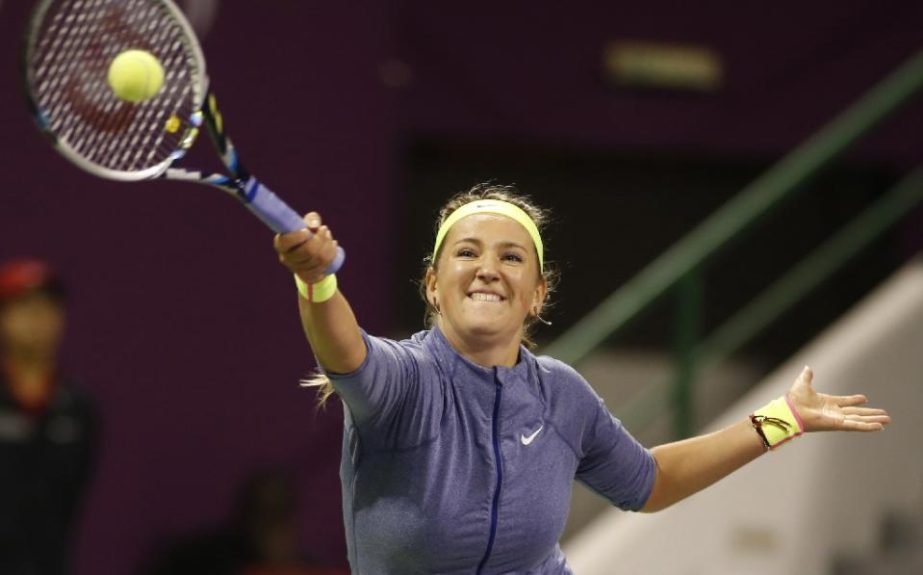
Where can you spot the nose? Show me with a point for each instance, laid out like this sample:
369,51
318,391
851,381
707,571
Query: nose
487,270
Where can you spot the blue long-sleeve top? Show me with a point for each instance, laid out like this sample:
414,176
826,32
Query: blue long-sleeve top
450,467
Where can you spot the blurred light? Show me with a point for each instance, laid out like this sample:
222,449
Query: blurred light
201,14
663,66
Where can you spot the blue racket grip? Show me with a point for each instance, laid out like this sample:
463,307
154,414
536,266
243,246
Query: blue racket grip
277,215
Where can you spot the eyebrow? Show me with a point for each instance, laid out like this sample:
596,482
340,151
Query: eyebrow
476,241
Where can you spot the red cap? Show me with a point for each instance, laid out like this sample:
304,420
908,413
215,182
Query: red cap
21,276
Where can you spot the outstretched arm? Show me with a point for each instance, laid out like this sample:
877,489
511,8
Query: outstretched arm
330,325
688,466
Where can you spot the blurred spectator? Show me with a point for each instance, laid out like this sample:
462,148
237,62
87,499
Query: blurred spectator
48,428
261,537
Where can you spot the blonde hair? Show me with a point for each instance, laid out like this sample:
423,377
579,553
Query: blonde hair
321,383
485,191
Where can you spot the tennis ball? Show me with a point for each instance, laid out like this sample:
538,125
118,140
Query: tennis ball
135,75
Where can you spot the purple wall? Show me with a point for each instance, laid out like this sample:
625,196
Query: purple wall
184,325
534,75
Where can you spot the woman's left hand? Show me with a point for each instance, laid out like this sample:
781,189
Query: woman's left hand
822,412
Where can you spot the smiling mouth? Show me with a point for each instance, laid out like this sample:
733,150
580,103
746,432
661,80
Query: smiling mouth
480,296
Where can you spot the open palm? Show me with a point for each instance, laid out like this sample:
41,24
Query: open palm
822,412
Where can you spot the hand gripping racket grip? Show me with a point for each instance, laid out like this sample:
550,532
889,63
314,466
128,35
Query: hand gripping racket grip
277,215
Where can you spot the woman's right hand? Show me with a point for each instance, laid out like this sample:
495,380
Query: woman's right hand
308,252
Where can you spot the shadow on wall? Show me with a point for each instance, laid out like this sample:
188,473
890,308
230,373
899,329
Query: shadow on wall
259,538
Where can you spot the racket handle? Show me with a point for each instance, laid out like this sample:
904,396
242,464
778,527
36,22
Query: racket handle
276,214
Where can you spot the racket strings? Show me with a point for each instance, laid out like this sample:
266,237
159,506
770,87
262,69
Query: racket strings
73,47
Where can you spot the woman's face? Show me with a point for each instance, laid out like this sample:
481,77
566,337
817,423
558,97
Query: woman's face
31,324
486,281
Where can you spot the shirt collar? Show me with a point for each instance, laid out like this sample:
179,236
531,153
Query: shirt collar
436,341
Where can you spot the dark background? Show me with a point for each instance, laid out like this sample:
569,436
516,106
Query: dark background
185,327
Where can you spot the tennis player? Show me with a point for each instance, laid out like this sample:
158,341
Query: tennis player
460,445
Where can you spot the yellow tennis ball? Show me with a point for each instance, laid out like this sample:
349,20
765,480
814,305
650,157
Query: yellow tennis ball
135,75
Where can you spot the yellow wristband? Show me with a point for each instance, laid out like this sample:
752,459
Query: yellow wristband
777,422
317,292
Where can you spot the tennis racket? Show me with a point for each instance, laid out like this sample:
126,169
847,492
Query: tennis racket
70,45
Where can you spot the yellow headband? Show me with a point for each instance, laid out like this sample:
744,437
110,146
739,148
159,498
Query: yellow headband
493,207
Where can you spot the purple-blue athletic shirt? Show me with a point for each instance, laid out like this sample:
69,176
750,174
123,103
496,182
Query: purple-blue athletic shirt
450,467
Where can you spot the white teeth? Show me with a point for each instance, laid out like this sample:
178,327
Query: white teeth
477,296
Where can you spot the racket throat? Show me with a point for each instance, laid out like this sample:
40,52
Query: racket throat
268,207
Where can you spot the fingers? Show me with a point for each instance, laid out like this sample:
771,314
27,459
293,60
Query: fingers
308,252
303,253
877,419
862,425
864,419
864,411
807,374
802,384
850,424
312,220
850,400
285,243
292,240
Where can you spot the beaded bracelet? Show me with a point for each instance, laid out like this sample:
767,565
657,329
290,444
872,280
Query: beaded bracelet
777,422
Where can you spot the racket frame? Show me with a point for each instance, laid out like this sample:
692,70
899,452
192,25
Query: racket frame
257,198
200,89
